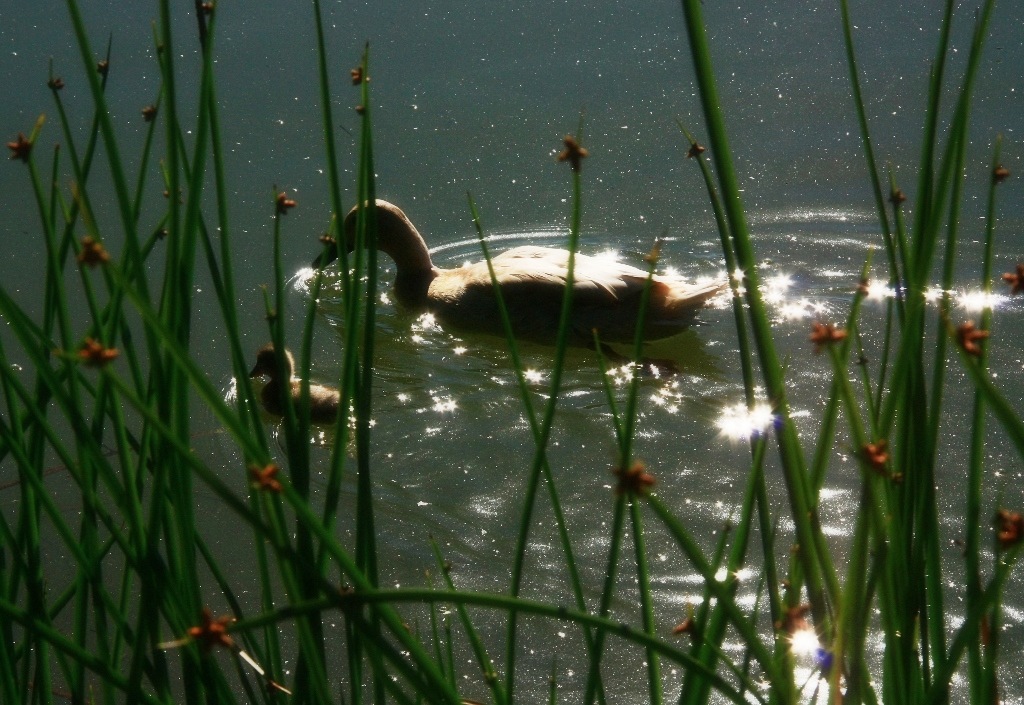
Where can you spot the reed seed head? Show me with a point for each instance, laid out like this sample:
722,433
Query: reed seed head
573,153
1009,528
212,632
823,334
284,204
970,338
20,148
1015,279
634,481
265,478
93,253
93,354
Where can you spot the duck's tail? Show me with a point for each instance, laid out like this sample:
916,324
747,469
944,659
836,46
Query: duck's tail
679,300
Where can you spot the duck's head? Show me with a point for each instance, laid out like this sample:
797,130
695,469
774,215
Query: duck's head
396,236
266,362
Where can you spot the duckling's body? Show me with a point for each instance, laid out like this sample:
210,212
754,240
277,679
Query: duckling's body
324,402
606,294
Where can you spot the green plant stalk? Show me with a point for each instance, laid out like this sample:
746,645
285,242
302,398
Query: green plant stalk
484,662
713,630
333,491
333,174
504,604
608,591
541,439
969,631
643,575
61,643
531,416
869,152
982,675
740,621
758,445
310,678
366,551
819,573
367,194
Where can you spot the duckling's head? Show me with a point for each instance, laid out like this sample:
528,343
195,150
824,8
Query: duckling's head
266,362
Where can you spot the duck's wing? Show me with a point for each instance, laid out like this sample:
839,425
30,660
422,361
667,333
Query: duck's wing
596,280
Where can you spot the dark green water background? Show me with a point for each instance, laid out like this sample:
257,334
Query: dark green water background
476,96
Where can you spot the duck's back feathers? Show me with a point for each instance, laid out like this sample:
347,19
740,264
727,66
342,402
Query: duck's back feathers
606,296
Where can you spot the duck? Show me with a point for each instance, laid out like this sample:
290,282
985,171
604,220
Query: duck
324,401
606,294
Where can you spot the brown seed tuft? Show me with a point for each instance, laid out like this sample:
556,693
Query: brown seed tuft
1015,279
212,632
93,354
21,148
573,153
970,338
635,481
284,204
93,253
823,334
265,478
1009,528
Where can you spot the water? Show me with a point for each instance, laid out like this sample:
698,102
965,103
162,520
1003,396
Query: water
476,97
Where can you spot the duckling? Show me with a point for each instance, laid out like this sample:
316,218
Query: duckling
606,294
323,401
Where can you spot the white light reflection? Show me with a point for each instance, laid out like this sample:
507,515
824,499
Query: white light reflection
804,642
738,423
302,279
775,288
622,374
976,301
425,322
444,405
532,375
879,290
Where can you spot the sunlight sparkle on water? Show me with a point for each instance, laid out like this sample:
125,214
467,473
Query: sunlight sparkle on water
879,290
804,642
621,374
739,423
532,375
976,300
775,288
444,404
425,322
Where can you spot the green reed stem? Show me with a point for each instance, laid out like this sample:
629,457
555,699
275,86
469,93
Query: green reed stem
815,560
484,662
982,684
541,439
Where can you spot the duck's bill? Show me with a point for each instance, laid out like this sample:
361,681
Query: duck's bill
329,254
